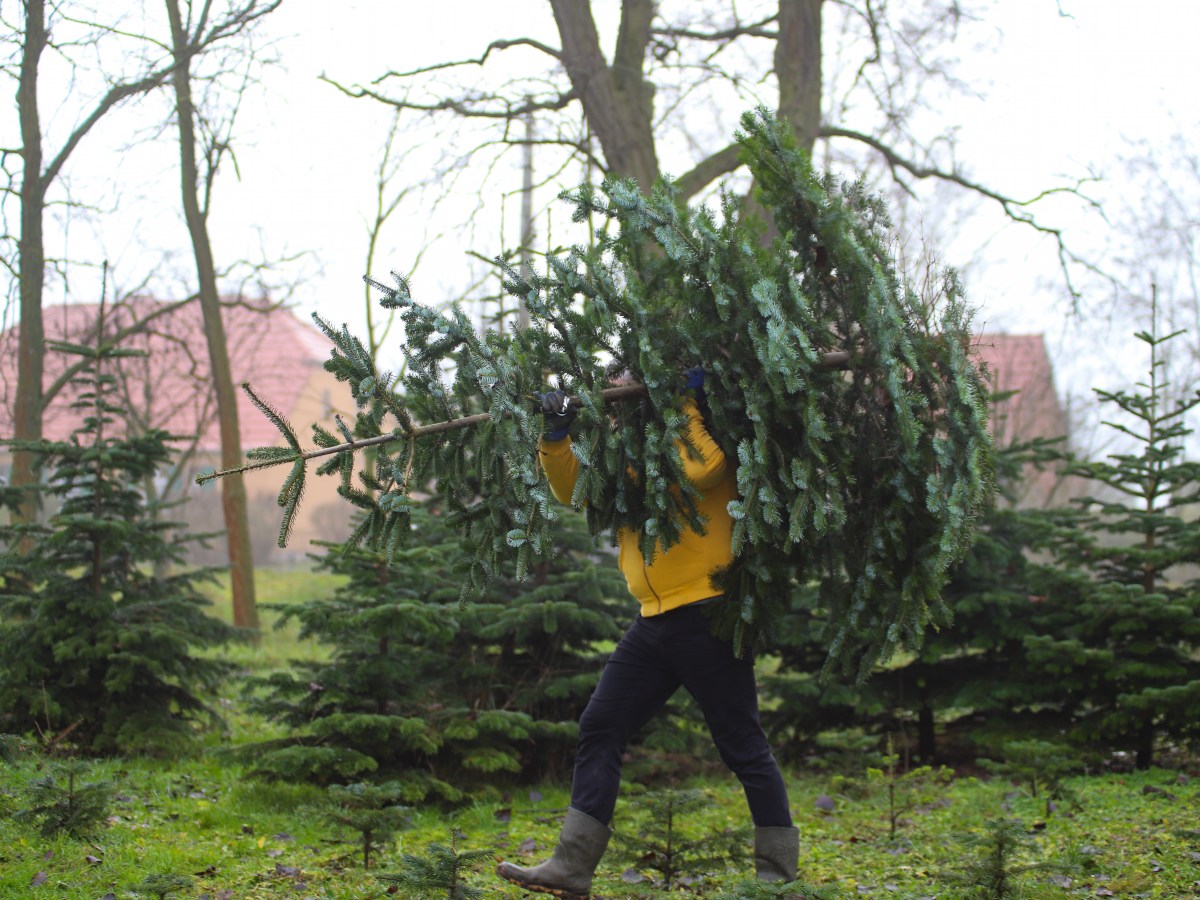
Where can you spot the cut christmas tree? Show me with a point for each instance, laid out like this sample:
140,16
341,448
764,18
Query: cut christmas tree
865,479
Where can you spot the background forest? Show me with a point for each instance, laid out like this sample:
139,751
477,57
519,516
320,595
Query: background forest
185,182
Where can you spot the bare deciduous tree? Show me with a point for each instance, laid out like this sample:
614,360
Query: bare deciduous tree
204,143
40,168
678,69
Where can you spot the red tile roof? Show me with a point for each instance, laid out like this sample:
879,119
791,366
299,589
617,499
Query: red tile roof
268,346
1019,366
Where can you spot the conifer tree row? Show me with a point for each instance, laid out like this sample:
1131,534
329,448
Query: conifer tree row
867,481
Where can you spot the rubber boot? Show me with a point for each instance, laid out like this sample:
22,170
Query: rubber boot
776,853
568,873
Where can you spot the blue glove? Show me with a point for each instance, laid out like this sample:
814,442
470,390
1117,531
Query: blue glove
558,412
695,379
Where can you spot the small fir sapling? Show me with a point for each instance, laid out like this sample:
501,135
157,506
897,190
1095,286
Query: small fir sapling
996,869
791,890
903,790
1040,765
62,802
441,872
372,810
11,748
654,838
160,884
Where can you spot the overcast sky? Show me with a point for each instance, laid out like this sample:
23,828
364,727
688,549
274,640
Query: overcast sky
1053,97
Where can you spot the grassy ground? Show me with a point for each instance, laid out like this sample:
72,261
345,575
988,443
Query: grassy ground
235,838
238,838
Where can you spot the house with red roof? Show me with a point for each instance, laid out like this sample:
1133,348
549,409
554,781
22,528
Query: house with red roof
280,355
1021,375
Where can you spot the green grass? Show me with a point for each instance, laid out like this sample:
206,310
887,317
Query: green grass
204,818
276,647
236,837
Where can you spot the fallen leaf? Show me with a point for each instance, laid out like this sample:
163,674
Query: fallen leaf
1151,789
286,871
94,860
632,876
825,803
503,815
39,879
49,854
282,836
274,853
535,796
529,845
1062,881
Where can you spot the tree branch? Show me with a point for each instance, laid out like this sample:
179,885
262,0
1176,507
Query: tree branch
459,105
757,29
708,170
1015,209
837,359
111,99
494,45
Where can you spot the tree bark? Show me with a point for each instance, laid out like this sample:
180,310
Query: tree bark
233,489
31,344
617,101
798,68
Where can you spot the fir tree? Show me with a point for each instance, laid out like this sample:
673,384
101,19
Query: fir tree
998,596
371,810
63,802
868,484
96,646
160,884
997,869
1042,765
656,840
434,695
1120,641
974,664
440,873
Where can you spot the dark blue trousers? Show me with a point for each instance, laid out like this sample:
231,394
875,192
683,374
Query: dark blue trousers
656,656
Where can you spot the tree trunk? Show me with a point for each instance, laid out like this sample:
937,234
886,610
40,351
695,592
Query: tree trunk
617,101
31,344
798,68
233,489
526,219
1144,758
926,734
798,71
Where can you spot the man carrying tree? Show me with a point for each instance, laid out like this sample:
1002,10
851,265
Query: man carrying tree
670,643
849,398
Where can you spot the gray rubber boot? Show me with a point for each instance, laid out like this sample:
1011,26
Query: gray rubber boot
776,853
568,873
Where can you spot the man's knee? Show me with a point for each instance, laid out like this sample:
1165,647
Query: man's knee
598,727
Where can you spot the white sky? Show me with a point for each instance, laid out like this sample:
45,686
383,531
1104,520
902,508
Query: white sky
1061,96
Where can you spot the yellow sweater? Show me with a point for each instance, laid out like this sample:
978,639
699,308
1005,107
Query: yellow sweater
681,575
